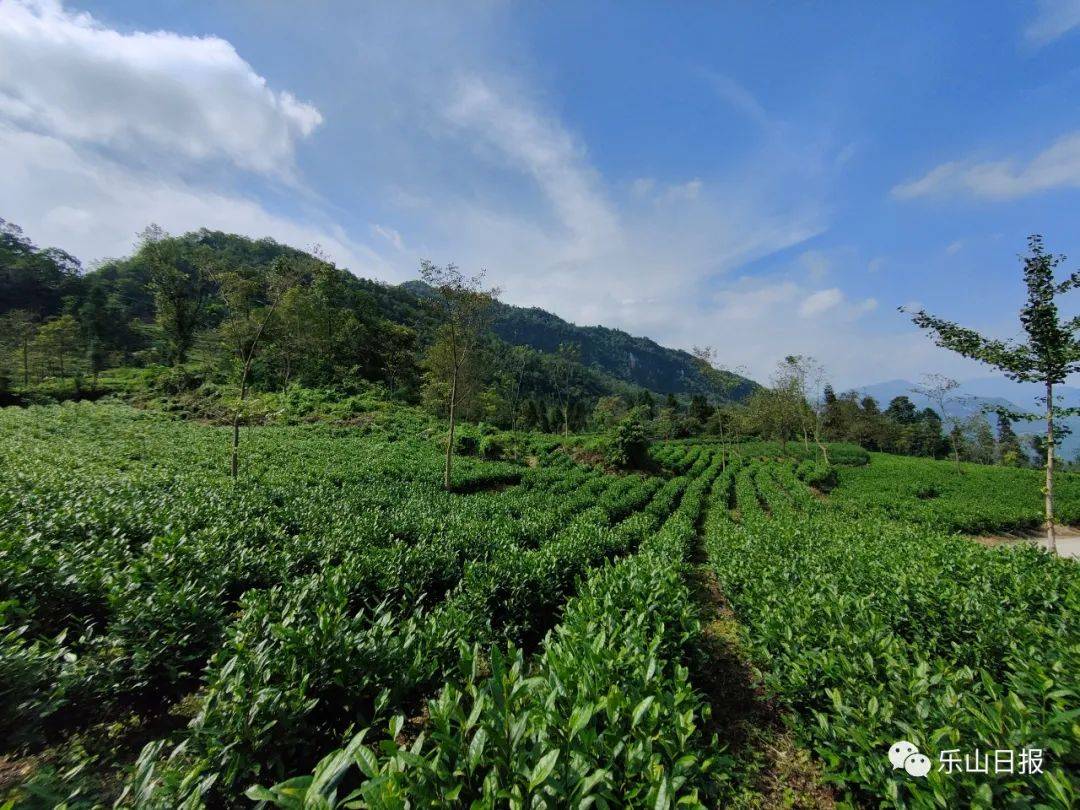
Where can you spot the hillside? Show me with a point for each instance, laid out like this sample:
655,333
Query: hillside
636,360
613,360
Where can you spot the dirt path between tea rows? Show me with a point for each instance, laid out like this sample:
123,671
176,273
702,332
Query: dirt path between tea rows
1068,540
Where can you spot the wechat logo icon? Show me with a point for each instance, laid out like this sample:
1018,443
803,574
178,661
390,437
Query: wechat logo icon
905,755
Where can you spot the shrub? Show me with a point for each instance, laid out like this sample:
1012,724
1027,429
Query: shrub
492,446
628,446
817,474
466,444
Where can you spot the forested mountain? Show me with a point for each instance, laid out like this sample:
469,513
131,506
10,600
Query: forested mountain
115,302
636,360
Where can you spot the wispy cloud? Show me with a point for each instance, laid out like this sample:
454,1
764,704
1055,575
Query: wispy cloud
738,97
390,235
820,302
1054,19
1056,166
541,147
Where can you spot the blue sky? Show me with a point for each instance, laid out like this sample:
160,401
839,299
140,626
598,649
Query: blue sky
767,178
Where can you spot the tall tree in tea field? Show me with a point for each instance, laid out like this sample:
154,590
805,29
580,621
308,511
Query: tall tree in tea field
1049,355
252,304
564,374
806,377
57,339
180,281
717,380
940,389
463,306
18,327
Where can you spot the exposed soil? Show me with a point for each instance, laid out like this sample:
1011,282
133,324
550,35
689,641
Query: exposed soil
776,771
1067,537
414,727
14,771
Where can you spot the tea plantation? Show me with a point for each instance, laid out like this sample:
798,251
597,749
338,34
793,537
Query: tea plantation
336,630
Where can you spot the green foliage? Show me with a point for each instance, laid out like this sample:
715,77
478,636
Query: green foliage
817,474
604,715
979,499
135,571
872,630
466,443
337,588
34,279
631,360
493,446
628,445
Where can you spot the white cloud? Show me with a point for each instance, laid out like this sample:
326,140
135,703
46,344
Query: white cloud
751,302
93,207
647,189
755,321
820,302
864,306
1054,19
63,73
1055,167
954,247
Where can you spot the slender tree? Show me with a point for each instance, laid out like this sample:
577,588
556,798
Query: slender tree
20,327
786,407
1049,355
464,306
247,324
517,363
1008,444
939,390
806,379
564,374
57,339
179,280
719,381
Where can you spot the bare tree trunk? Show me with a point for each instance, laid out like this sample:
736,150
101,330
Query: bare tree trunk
1051,538
236,423
243,392
723,445
822,447
450,435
